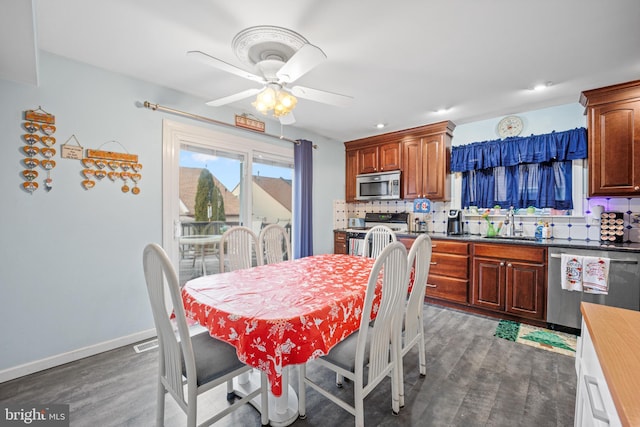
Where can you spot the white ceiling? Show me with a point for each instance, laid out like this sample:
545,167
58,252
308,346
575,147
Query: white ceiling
400,60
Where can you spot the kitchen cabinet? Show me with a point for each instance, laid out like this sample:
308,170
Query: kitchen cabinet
607,367
510,279
368,155
340,242
421,153
426,162
351,172
379,158
449,271
594,404
613,127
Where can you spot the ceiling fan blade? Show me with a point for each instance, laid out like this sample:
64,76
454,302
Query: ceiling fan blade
224,66
289,119
306,58
233,98
322,96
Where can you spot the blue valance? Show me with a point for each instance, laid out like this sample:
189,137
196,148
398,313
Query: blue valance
554,146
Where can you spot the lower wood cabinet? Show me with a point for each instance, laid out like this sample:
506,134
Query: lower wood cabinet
510,279
449,271
340,242
500,280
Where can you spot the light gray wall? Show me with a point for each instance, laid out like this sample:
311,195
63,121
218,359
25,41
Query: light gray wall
536,122
70,259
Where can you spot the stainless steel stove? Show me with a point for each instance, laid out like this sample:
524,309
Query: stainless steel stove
355,236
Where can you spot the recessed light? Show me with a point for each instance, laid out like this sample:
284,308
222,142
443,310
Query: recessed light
541,86
380,125
442,110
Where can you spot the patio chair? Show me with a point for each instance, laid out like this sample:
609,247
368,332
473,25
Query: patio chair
274,244
238,249
198,363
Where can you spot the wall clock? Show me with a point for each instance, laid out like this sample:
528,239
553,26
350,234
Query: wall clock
510,126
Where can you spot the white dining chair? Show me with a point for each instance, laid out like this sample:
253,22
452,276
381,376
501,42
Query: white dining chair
376,239
238,249
274,244
375,348
419,260
198,363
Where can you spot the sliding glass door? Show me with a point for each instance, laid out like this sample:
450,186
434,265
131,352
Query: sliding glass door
211,188
213,181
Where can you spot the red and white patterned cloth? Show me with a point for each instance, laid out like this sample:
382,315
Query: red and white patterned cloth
285,313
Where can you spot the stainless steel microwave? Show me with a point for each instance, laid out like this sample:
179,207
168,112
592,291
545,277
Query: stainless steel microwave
378,186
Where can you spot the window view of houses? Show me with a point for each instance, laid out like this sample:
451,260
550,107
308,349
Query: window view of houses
211,202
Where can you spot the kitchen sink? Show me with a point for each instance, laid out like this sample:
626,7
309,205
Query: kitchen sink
525,238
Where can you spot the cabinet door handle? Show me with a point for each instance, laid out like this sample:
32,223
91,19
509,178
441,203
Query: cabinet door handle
502,264
429,285
592,383
509,265
636,188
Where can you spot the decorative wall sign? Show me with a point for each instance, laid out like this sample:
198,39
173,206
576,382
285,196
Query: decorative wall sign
71,151
244,121
422,205
40,126
99,164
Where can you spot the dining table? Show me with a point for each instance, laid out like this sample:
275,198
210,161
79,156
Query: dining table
282,314
199,243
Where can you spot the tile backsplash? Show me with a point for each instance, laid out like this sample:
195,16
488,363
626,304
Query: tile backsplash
579,226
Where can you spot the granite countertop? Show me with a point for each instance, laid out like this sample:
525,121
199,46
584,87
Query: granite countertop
560,243
553,242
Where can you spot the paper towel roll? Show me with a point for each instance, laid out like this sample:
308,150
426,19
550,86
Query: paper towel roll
596,211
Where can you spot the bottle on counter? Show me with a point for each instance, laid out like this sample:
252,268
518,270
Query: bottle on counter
538,233
546,231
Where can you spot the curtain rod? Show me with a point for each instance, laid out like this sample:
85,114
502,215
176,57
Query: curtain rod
156,107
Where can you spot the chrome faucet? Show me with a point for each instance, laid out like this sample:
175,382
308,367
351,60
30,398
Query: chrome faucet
510,223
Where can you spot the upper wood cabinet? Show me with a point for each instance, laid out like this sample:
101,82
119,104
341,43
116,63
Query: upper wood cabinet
352,171
379,158
613,122
425,159
422,154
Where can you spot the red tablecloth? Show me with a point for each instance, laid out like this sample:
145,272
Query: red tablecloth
285,313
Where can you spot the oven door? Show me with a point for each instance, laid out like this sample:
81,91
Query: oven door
355,243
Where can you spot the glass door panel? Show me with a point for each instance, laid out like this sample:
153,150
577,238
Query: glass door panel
272,185
211,190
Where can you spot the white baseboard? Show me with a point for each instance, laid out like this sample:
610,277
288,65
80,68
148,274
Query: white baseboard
60,359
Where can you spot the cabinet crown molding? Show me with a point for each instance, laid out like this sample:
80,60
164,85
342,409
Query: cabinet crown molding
416,132
613,93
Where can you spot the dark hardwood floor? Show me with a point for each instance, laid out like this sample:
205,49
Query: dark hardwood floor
473,379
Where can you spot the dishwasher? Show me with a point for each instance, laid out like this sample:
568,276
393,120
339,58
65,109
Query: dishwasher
563,307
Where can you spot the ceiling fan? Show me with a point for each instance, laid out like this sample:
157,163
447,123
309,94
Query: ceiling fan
279,57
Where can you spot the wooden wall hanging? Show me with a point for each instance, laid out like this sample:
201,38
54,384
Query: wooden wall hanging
40,127
100,164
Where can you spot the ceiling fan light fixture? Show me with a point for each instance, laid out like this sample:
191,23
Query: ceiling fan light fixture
276,100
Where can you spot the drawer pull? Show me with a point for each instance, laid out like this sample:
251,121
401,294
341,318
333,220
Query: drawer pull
433,263
429,285
599,414
434,246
